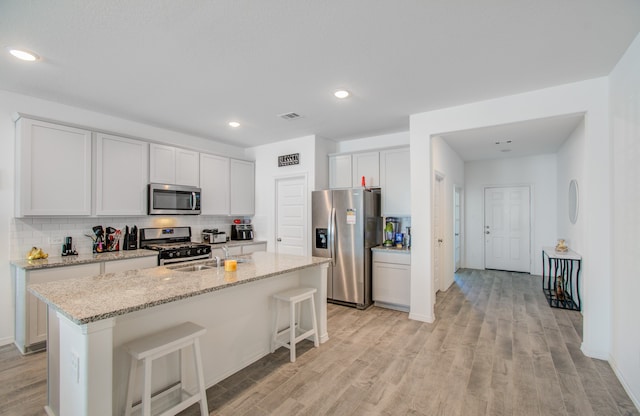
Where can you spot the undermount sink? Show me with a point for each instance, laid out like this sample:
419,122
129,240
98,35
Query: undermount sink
212,263
194,268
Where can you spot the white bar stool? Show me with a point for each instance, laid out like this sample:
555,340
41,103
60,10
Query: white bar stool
294,298
158,345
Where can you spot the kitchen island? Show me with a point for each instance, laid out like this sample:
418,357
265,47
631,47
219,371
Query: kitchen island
91,318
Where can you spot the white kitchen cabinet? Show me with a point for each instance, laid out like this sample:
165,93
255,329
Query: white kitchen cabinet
242,187
115,266
395,182
367,165
214,183
340,175
122,175
53,169
174,166
31,313
391,275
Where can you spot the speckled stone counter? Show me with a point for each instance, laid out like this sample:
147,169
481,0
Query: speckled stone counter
237,243
82,259
90,299
394,249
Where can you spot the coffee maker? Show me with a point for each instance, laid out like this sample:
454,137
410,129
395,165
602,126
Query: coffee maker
241,232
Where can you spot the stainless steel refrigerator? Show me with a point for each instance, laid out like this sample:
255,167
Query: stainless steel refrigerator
346,224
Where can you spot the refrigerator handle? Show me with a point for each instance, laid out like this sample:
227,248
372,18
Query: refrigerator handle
332,235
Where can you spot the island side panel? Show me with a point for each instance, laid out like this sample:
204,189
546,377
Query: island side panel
317,277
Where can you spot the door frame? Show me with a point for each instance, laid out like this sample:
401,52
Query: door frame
438,182
458,189
531,220
307,209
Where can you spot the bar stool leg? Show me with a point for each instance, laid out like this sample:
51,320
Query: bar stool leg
204,410
132,374
292,332
275,327
146,394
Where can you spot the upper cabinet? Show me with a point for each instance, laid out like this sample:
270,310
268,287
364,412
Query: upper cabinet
53,169
242,187
366,165
395,181
340,171
172,165
122,170
214,183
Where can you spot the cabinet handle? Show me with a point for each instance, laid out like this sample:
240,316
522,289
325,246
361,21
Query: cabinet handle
279,239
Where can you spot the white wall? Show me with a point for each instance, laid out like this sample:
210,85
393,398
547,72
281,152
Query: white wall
267,171
537,172
570,166
373,142
10,104
447,163
625,134
590,97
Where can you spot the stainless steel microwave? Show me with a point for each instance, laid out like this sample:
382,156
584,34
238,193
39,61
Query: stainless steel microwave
173,199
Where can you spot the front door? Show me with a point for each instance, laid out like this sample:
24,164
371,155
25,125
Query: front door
291,216
507,228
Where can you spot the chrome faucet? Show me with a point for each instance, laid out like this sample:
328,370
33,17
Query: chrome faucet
225,249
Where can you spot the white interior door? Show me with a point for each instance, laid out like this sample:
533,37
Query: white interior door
291,215
456,228
438,232
507,228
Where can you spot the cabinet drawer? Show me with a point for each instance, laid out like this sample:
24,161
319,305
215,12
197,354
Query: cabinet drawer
391,257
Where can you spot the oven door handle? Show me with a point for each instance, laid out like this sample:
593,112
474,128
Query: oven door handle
185,259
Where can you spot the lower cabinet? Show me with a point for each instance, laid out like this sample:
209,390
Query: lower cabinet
392,279
31,312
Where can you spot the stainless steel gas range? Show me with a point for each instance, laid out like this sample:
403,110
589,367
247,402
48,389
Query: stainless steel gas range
173,244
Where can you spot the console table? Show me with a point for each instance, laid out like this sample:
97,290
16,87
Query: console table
561,278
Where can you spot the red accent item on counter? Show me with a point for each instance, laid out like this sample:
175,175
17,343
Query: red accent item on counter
237,221
364,183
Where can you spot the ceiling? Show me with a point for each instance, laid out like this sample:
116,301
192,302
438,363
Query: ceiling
526,138
193,66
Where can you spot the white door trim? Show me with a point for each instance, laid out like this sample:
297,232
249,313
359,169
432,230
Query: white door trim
437,215
307,208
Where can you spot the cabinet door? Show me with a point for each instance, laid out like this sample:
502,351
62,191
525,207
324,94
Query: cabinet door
367,165
121,175
214,182
395,183
340,171
37,310
242,187
252,248
391,283
187,167
162,164
116,266
53,169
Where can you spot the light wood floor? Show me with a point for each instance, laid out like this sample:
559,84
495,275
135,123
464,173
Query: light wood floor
495,349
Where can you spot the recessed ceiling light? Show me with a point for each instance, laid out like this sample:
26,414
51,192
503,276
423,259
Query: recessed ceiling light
341,94
234,124
24,54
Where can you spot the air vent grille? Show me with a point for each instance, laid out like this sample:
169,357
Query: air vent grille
290,116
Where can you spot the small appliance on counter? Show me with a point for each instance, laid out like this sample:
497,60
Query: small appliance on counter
67,248
130,238
241,232
213,236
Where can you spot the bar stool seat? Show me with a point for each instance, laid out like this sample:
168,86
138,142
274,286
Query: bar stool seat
157,345
294,298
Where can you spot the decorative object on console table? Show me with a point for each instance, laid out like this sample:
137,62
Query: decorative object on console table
561,247
561,278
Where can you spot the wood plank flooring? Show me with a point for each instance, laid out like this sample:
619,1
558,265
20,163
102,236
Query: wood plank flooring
495,349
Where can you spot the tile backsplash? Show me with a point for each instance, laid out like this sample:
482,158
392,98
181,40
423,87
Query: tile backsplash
44,232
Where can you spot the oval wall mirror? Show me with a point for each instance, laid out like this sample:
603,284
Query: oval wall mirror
573,201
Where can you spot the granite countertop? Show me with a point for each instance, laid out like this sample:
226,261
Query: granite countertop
81,259
393,249
89,299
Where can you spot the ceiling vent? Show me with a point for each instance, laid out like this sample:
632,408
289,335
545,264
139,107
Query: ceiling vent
290,116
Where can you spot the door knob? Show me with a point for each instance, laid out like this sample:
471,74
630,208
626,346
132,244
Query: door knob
487,232
279,239
439,240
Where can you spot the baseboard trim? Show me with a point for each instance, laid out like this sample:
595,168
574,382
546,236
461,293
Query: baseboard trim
624,383
6,341
422,318
600,355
